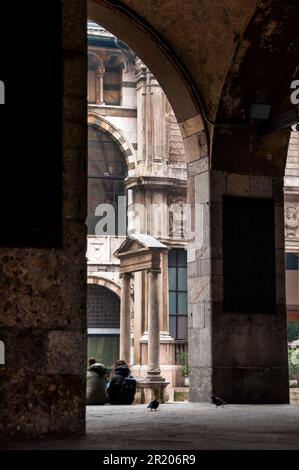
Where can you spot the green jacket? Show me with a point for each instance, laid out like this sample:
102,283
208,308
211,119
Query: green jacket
96,385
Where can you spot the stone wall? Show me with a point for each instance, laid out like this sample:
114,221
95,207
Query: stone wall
241,356
291,194
42,310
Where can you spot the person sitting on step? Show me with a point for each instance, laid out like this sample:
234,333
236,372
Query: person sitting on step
122,387
96,383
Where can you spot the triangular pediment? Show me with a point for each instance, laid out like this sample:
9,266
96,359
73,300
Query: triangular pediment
128,246
137,242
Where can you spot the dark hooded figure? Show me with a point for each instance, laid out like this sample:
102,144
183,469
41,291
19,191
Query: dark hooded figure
96,384
122,386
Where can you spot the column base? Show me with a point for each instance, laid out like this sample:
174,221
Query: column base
152,390
154,376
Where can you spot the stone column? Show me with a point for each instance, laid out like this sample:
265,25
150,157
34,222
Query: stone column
154,372
138,311
141,95
125,311
220,322
100,84
164,299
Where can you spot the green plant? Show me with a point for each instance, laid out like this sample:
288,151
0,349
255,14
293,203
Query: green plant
180,396
293,357
183,362
293,330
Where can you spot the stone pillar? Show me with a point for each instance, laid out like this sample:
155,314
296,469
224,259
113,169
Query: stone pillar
154,371
236,351
236,332
152,120
125,312
53,324
138,312
291,197
200,346
141,93
153,387
100,84
164,299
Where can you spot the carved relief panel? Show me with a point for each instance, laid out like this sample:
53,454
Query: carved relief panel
291,215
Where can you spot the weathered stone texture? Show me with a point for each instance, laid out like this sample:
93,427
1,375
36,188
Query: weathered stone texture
39,291
200,384
231,344
42,291
252,384
41,404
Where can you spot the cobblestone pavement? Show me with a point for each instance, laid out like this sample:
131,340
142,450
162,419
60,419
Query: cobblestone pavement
181,426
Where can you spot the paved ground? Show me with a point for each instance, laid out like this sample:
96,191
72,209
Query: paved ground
182,426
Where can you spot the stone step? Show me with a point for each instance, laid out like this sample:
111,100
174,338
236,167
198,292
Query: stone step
294,396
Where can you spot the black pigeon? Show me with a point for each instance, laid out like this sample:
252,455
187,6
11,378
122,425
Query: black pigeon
153,405
217,401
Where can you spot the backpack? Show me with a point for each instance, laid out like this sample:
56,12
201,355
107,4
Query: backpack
128,389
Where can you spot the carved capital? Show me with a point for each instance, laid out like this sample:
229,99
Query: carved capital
154,271
126,276
140,70
101,70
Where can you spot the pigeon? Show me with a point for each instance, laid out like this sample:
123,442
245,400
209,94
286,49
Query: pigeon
153,405
217,401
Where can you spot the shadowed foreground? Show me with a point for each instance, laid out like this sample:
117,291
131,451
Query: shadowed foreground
181,426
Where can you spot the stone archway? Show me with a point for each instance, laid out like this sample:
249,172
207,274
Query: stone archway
181,93
103,320
242,356
214,139
100,280
172,76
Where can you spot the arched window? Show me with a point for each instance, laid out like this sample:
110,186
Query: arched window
103,307
103,319
106,173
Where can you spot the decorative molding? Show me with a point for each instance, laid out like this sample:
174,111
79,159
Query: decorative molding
140,70
103,331
100,279
291,221
113,111
97,251
156,182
